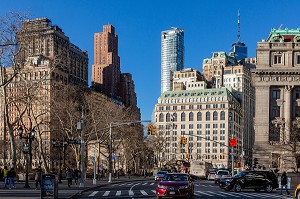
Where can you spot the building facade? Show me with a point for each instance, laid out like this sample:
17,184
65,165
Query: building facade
39,37
106,67
277,108
208,118
172,56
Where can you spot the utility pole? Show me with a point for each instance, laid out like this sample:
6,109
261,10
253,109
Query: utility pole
110,155
82,173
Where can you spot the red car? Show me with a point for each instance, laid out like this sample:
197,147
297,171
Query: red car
175,185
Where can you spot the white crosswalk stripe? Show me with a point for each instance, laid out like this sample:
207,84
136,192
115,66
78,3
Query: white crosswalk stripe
106,193
154,191
230,194
93,194
144,192
152,183
118,193
204,193
216,194
130,192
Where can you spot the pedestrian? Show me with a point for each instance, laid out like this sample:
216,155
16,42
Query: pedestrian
5,178
11,177
37,177
76,174
284,183
69,176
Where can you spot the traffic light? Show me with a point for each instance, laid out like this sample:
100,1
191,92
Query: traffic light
153,130
149,129
184,140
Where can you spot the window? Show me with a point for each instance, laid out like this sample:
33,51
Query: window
183,107
298,59
174,108
207,116
199,106
199,116
168,118
275,111
276,94
222,115
191,126
207,126
161,117
167,108
191,116
277,59
183,117
174,117
199,132
207,106
191,106
215,115
199,126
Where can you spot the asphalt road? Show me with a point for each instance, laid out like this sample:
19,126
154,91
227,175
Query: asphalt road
203,190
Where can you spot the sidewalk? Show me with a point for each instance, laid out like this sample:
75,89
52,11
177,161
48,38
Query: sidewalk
63,190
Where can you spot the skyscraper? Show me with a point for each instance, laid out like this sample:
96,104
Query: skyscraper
106,67
239,48
172,56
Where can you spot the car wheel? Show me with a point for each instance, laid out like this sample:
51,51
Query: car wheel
269,188
298,195
237,187
257,190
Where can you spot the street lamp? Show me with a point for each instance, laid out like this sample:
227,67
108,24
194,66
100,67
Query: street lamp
27,149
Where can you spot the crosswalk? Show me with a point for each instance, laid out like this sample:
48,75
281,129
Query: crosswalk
206,194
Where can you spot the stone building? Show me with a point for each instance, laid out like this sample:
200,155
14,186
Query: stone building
277,108
208,118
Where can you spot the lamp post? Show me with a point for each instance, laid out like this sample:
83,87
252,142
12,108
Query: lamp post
59,144
27,149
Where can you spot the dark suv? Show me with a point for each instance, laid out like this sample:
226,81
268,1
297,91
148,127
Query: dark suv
256,180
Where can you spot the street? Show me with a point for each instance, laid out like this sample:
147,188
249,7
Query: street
146,189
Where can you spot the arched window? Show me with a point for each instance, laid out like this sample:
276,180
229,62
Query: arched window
222,115
161,117
215,115
207,116
199,116
191,116
168,118
183,117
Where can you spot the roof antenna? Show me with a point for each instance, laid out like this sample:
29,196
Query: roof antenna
239,27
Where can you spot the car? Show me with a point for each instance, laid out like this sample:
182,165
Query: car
221,174
175,185
211,175
256,180
297,192
160,175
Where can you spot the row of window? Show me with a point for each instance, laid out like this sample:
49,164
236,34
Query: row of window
173,117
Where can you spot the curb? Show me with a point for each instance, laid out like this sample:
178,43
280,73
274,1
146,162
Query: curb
79,193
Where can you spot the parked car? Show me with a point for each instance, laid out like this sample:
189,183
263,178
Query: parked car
211,175
256,180
175,185
297,192
221,174
160,175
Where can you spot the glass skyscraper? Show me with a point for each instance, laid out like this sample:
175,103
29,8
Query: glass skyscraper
172,56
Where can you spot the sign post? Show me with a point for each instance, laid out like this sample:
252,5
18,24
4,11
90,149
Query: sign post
232,143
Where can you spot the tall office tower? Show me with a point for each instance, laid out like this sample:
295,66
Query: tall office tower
277,108
172,56
127,91
39,37
106,67
239,48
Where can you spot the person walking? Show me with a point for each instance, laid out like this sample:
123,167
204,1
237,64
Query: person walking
284,183
5,178
76,175
11,177
37,177
69,175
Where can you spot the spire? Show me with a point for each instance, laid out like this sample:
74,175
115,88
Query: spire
239,27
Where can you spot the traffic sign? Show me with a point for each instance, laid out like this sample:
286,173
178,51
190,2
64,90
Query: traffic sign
26,147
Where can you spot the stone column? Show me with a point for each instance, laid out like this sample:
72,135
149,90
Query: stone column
287,111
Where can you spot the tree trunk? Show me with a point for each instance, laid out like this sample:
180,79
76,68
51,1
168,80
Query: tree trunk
12,146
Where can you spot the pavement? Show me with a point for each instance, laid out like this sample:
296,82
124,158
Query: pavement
63,190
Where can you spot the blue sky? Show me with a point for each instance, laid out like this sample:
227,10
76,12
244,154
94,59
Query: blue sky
210,25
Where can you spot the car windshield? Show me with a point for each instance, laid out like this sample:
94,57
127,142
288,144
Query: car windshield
212,173
240,175
223,172
176,177
161,172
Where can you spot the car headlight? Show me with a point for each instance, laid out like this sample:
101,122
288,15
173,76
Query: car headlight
161,186
184,187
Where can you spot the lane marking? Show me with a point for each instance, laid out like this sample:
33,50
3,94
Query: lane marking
106,193
93,194
118,193
152,183
130,193
204,193
230,194
216,194
145,183
143,192
154,191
